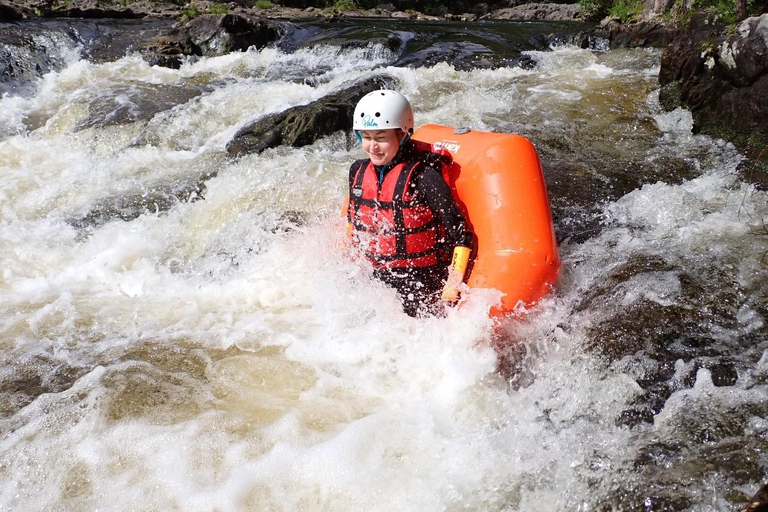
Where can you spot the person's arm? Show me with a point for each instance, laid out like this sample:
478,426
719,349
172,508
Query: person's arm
436,193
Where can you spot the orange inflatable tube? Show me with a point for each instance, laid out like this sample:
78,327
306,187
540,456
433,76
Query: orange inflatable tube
498,181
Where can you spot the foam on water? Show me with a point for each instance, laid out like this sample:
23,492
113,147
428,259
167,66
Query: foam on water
218,354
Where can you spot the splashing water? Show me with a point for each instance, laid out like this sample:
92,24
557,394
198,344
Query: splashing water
179,332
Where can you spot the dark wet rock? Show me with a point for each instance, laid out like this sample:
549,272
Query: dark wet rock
722,79
651,498
136,102
679,329
578,189
167,50
22,381
575,194
392,42
28,51
304,124
152,199
537,12
10,12
755,170
525,61
219,34
584,40
279,12
460,17
110,40
91,10
481,9
462,55
100,9
666,319
667,469
32,48
643,33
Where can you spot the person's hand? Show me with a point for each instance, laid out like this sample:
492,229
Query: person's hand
451,287
344,242
455,274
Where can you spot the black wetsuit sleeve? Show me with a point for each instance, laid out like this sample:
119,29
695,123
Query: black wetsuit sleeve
434,191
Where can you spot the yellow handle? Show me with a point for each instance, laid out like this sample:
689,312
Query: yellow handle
460,260
456,273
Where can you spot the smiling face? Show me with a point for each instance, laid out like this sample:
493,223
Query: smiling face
381,145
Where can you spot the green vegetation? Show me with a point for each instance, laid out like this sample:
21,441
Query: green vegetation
595,9
189,12
719,11
344,5
627,9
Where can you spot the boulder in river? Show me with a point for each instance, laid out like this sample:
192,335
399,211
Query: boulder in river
722,78
302,125
10,12
210,35
654,32
219,34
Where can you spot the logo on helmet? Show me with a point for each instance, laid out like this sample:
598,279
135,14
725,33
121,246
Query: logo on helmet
370,122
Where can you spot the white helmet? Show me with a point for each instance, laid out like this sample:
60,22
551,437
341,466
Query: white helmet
383,110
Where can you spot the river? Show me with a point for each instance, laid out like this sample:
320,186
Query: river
178,331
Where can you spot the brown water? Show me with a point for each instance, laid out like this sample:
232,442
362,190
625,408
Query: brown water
179,333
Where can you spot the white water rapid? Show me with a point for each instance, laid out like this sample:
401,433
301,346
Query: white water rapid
214,352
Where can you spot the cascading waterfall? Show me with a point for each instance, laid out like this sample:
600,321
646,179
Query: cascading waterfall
180,333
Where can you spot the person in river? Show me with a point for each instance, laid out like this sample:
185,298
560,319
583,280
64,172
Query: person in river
401,214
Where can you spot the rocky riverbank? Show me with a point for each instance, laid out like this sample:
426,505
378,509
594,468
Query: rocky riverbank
25,9
721,76
719,72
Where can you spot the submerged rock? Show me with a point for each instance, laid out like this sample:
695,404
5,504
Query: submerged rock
130,103
722,79
302,125
462,55
154,198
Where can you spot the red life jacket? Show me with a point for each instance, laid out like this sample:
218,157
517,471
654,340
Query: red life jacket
393,228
